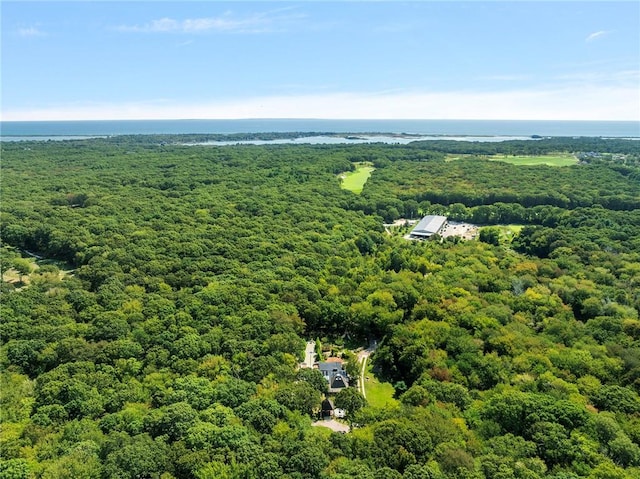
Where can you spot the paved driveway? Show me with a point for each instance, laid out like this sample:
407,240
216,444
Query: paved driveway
309,354
332,424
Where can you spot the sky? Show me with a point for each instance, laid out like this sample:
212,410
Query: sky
517,60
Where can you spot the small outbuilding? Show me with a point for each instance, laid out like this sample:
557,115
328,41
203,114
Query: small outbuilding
326,408
428,226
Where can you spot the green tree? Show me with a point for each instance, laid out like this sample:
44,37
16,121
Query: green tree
399,443
81,461
352,366
308,461
173,420
416,395
23,266
136,457
617,399
299,396
315,378
350,400
490,235
623,451
261,413
14,469
455,462
387,473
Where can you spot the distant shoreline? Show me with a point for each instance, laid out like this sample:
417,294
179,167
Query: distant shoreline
295,128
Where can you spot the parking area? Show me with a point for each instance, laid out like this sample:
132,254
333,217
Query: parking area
463,230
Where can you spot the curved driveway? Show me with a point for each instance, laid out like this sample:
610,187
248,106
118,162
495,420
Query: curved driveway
363,356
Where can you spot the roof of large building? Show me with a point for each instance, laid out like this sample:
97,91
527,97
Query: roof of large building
335,375
333,359
429,225
331,366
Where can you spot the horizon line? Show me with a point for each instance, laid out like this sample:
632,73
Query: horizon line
317,119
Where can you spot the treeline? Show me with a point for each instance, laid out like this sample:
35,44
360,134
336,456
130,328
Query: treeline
474,182
603,146
171,348
188,138
489,192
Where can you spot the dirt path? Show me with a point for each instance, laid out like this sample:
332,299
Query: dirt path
363,357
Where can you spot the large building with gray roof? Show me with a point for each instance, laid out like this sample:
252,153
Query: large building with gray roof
428,226
333,371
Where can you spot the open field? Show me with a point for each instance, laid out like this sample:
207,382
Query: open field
557,159
549,160
354,180
11,275
379,394
507,232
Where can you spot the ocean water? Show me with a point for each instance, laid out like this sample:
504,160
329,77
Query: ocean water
336,139
16,130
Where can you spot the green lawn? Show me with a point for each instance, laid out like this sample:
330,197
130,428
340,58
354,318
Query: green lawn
379,394
550,160
511,229
507,232
354,180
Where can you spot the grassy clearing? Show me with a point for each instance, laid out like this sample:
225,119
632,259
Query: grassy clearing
11,275
507,232
379,394
549,160
38,268
511,229
558,159
354,180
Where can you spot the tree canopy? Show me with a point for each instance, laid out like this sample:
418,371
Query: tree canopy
172,289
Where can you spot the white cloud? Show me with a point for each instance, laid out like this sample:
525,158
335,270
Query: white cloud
571,103
596,35
31,32
226,23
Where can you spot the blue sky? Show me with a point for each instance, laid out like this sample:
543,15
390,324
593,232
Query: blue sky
387,59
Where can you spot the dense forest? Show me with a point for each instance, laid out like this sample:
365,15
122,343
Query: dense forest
157,298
